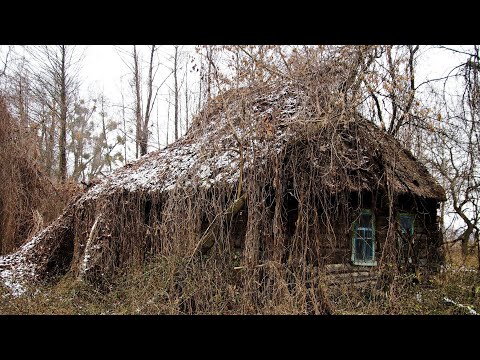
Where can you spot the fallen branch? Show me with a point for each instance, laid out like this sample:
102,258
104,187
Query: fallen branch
246,267
86,256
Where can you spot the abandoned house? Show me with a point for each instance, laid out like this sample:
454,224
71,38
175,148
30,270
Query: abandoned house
263,175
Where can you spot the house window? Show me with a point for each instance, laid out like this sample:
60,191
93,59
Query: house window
363,244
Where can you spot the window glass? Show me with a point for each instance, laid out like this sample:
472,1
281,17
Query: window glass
364,239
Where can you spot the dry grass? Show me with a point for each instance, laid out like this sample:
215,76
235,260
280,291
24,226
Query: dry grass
170,286
459,282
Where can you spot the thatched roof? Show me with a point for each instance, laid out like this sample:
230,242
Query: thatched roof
268,122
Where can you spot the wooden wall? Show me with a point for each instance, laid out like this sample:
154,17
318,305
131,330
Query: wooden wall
335,246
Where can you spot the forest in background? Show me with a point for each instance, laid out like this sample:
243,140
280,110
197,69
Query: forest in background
56,140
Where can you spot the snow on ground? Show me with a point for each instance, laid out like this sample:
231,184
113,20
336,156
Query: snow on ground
470,310
16,269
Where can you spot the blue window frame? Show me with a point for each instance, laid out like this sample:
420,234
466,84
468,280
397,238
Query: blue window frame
363,239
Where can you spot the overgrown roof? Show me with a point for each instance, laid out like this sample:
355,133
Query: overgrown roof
263,123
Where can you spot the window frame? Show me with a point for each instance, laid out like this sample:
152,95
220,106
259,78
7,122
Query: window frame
355,261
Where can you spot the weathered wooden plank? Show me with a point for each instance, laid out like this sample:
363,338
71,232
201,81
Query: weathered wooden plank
350,275
346,267
351,280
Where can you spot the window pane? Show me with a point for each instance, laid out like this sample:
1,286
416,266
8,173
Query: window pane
359,247
368,234
360,234
368,250
363,241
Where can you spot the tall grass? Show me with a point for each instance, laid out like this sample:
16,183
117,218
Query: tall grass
170,286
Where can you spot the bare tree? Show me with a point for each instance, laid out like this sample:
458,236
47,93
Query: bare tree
143,111
186,97
138,101
175,75
389,82
56,76
150,103
455,146
124,124
3,67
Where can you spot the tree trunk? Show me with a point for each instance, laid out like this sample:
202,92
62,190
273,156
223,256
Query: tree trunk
138,110
104,131
63,119
186,98
148,107
50,143
175,70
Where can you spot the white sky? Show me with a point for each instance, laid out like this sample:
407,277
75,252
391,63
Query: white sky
103,67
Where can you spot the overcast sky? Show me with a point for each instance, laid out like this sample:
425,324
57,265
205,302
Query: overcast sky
103,66
103,70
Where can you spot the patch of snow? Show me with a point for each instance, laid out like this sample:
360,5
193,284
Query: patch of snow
8,278
208,157
16,268
204,171
470,310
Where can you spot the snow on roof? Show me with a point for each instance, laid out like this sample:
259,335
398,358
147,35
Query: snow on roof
264,120
208,154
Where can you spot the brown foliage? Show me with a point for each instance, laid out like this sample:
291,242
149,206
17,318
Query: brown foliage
28,200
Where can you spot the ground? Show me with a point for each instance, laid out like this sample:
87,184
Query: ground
455,291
